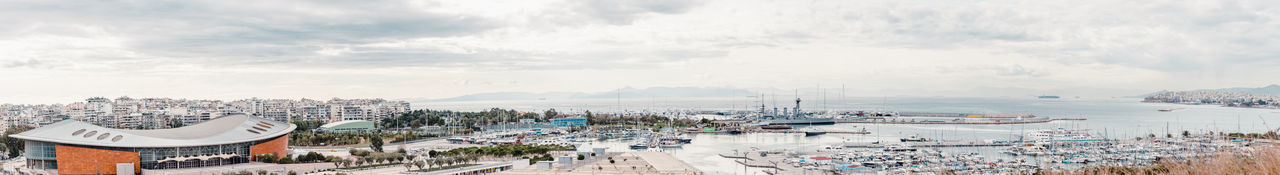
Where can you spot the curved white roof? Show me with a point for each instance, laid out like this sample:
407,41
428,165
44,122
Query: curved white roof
223,130
340,123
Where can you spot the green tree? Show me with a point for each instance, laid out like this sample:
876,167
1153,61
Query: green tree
591,118
13,145
550,113
175,123
375,142
286,160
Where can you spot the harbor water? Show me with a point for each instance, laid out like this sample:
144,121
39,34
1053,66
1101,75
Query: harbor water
1117,118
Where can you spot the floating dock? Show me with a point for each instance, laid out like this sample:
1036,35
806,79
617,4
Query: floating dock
735,157
933,145
802,132
982,122
786,131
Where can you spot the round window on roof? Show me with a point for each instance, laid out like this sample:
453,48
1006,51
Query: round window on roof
117,138
90,134
78,132
104,136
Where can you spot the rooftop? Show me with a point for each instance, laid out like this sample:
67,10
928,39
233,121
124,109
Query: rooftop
330,125
222,130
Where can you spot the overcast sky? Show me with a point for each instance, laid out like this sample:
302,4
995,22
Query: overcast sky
66,51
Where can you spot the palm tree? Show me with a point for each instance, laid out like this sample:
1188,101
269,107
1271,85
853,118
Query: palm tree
418,163
430,162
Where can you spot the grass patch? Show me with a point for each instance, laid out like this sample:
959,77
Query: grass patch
444,167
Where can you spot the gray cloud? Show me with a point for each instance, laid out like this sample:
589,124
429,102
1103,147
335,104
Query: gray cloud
29,63
289,33
624,12
1018,71
712,42
233,33
1164,36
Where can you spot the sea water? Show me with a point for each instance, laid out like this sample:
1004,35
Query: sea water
1118,118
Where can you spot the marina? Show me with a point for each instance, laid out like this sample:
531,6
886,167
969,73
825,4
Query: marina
959,122
711,147
1021,157
726,87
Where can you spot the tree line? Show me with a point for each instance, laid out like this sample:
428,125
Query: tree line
429,117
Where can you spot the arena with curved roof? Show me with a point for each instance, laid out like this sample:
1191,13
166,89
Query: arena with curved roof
348,126
74,147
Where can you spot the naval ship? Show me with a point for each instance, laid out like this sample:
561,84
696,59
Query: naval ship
793,117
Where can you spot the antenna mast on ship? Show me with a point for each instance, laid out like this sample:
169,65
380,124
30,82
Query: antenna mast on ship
796,110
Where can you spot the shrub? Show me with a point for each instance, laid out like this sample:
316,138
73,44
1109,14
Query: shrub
285,160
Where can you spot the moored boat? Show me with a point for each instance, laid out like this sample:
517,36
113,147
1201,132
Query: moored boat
914,139
808,133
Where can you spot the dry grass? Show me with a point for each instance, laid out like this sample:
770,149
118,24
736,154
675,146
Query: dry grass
1263,161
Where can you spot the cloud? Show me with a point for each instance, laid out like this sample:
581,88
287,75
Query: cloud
1173,36
1018,71
30,63
625,12
554,44
239,33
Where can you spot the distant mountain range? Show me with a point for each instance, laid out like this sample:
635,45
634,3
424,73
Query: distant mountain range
654,92
1272,90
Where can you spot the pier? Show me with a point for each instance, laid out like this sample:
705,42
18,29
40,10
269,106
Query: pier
735,157
757,165
933,145
622,163
784,131
776,163
788,131
959,122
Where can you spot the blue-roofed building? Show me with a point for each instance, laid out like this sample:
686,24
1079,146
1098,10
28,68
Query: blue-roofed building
571,121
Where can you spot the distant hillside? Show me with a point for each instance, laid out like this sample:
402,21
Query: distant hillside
1272,90
1268,90
1150,94
655,92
